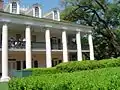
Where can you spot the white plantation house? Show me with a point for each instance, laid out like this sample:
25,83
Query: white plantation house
31,39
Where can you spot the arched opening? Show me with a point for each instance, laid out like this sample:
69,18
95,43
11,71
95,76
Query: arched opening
14,7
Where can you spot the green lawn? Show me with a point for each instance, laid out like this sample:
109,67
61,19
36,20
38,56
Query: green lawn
3,86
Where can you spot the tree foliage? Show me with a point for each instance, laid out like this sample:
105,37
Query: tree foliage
103,16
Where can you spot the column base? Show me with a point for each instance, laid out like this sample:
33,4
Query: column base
4,79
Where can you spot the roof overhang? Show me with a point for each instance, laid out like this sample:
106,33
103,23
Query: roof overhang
33,21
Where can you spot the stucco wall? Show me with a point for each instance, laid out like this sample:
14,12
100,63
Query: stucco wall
40,56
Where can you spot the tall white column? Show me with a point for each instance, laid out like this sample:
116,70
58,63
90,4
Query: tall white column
28,48
48,49
79,50
65,50
91,46
5,53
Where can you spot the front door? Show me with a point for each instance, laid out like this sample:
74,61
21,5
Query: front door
11,67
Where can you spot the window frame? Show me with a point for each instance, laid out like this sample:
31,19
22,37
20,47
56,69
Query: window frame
14,7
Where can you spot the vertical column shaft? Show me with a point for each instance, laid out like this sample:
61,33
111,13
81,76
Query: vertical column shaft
48,48
65,50
5,53
79,50
91,46
28,47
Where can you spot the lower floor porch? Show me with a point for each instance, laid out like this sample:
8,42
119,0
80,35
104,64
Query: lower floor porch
16,59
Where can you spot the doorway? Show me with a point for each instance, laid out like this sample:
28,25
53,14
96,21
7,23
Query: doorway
11,66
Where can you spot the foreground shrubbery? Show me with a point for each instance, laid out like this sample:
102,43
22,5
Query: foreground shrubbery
43,71
99,79
87,65
59,78
76,66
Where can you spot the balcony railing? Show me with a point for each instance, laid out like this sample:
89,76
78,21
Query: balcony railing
38,45
16,44
72,46
41,45
85,47
56,46
21,45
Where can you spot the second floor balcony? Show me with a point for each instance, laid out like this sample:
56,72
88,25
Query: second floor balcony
41,45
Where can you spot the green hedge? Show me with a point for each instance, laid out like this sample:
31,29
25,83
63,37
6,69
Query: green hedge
98,79
87,65
42,71
76,66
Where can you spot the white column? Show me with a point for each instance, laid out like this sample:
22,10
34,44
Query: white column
91,46
5,53
79,50
28,48
48,49
65,50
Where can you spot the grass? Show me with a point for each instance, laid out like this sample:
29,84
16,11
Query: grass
3,86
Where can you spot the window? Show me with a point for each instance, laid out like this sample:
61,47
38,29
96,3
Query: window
54,43
36,11
18,65
24,64
55,14
54,40
18,36
33,38
36,64
55,62
14,7
59,44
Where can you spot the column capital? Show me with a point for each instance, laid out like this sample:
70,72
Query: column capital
46,28
5,25
28,26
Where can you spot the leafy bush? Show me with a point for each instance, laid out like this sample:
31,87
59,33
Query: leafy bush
76,66
42,71
98,79
87,65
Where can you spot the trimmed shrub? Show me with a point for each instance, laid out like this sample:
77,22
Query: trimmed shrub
99,79
87,65
76,66
42,71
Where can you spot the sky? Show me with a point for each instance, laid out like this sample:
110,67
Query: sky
46,4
